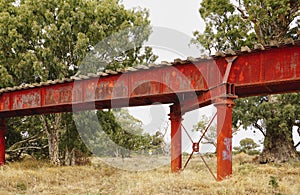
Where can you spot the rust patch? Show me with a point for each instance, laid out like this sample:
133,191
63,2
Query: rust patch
4,102
145,87
120,90
90,91
77,93
28,99
177,82
104,90
61,94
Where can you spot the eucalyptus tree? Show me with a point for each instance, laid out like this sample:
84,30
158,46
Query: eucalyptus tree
47,40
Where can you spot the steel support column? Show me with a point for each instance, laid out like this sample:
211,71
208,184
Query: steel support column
176,156
2,140
224,137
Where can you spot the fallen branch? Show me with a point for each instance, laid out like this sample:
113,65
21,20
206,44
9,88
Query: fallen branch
28,140
27,148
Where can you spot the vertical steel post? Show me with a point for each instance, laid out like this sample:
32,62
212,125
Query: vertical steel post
176,156
2,140
224,137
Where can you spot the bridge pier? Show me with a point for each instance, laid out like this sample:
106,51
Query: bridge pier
2,140
176,155
224,137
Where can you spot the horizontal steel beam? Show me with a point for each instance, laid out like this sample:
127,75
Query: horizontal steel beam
274,70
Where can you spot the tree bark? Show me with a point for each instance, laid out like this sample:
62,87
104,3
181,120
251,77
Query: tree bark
278,147
53,143
52,125
70,157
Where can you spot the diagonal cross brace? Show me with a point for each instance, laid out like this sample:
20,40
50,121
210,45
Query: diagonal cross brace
196,144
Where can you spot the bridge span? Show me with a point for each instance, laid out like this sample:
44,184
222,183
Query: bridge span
186,84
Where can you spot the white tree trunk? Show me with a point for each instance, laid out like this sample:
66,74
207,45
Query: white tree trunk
52,125
53,142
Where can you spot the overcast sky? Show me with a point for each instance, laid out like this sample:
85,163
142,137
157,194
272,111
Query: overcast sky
173,24
180,15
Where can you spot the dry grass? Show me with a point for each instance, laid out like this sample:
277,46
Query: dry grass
32,177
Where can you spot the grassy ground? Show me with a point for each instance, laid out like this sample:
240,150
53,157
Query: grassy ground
32,177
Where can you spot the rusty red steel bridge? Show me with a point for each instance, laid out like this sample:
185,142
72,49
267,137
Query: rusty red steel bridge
185,84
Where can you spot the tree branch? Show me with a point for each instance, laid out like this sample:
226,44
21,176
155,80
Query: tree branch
57,119
259,128
30,139
243,15
210,142
297,145
45,124
234,130
26,148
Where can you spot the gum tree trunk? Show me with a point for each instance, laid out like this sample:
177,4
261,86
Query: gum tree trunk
278,147
53,142
52,124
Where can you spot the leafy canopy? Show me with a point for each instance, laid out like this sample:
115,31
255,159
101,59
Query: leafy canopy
232,24
47,40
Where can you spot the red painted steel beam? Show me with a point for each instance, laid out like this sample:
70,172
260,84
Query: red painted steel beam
224,137
2,141
276,70
165,85
176,155
205,98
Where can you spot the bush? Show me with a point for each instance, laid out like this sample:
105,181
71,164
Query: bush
82,158
247,146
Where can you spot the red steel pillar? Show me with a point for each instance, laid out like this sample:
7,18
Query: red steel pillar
224,137
175,118
2,140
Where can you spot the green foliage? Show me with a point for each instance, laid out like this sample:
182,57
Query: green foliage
21,186
274,184
224,27
268,112
91,133
271,19
25,135
128,133
69,137
115,133
247,146
274,116
47,40
5,79
232,24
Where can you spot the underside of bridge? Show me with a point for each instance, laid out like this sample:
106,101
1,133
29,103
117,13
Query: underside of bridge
186,84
